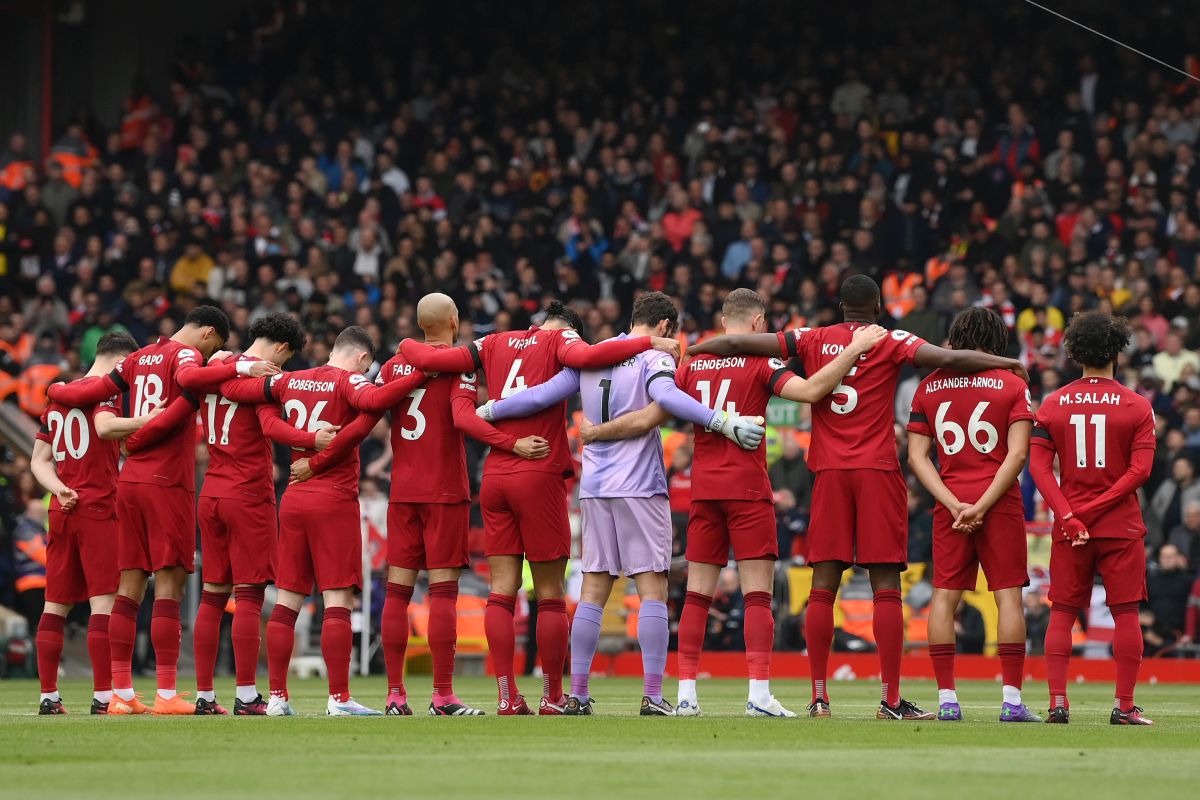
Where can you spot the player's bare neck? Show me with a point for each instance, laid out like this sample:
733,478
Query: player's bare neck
440,336
642,330
1098,372
860,317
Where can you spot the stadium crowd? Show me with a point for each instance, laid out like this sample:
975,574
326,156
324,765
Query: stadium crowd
339,178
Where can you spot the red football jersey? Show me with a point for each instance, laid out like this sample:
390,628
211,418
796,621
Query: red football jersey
1093,425
151,374
969,416
240,458
853,427
515,361
429,464
737,385
316,398
84,461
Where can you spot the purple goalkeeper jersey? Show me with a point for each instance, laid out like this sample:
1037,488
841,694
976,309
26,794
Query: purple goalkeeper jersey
624,467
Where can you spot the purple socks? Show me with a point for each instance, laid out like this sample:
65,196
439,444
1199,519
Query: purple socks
653,634
585,635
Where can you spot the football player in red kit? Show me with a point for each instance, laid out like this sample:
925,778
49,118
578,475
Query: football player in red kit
156,499
75,459
428,513
320,538
732,506
860,500
981,423
525,502
1103,436
238,529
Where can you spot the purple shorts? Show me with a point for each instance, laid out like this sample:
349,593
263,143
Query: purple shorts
626,535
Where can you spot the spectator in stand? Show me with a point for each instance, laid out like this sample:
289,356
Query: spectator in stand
1185,537
1174,360
1174,495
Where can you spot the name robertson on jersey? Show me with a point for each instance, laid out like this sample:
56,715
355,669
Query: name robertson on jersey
304,385
1094,398
718,363
964,382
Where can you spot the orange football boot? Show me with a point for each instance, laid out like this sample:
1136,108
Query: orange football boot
134,706
175,706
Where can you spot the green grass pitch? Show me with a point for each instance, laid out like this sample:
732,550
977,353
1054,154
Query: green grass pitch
615,753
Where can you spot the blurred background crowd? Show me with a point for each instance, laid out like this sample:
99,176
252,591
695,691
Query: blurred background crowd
339,165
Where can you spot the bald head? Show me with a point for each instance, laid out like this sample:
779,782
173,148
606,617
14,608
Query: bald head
438,317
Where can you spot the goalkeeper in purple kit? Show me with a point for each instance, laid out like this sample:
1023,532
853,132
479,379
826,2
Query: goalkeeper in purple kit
623,492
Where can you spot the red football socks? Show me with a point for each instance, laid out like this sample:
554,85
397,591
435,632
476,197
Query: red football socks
281,639
443,634
553,634
693,622
818,636
1012,662
1058,652
942,656
394,630
499,627
98,653
760,635
337,642
206,637
122,632
1127,651
888,626
165,632
247,614
49,649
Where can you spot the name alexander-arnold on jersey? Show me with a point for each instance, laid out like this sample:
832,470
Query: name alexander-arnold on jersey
964,382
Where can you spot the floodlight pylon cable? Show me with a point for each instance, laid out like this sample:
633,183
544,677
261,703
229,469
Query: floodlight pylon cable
1118,42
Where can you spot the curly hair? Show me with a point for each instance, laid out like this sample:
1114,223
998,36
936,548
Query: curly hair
280,329
979,329
1095,340
654,307
557,310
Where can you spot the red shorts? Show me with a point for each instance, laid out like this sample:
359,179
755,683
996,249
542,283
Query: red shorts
81,558
747,525
1120,562
525,513
237,540
157,527
998,546
428,535
859,516
320,541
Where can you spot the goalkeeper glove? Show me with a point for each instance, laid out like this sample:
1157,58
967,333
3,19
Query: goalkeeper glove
746,432
485,411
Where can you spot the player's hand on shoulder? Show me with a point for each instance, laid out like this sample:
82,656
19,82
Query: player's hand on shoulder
485,411
258,369
220,355
325,438
532,448
300,471
68,498
1019,370
664,345
867,337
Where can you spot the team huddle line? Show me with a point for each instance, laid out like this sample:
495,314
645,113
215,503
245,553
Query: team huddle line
971,430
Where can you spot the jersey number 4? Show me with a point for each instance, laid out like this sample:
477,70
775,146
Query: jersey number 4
982,435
